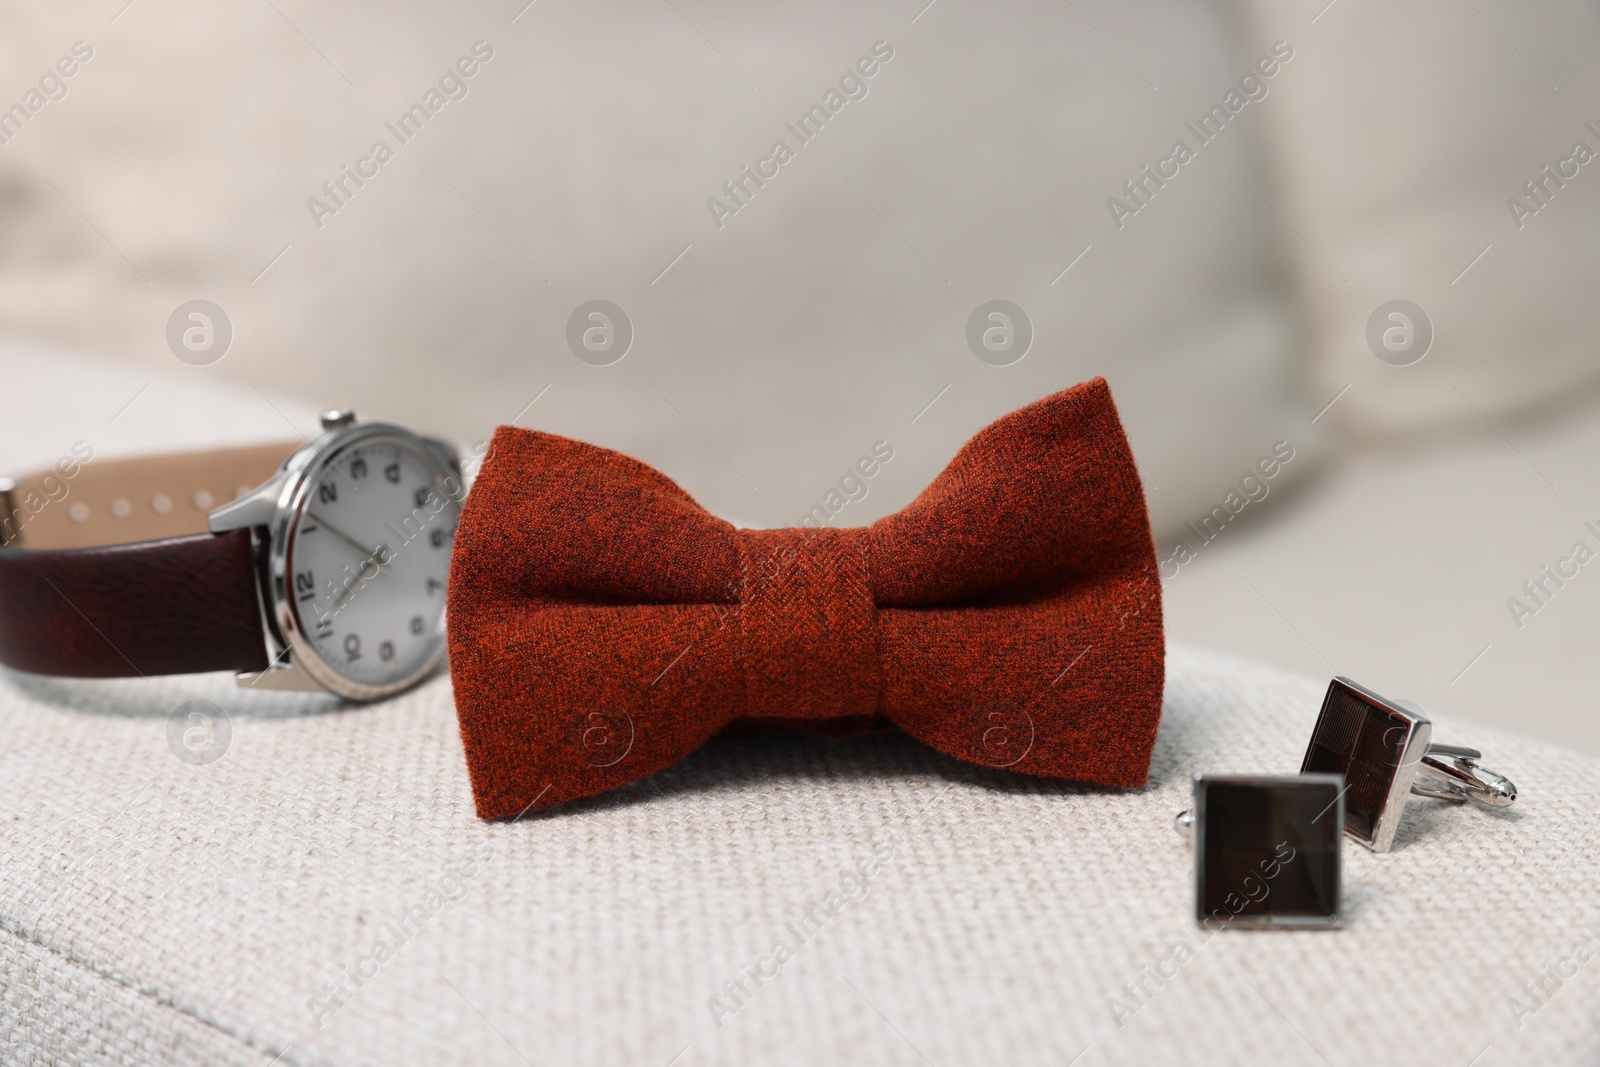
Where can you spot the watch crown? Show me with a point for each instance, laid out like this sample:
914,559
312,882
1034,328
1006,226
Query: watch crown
338,418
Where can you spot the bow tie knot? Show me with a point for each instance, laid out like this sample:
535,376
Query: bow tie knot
807,624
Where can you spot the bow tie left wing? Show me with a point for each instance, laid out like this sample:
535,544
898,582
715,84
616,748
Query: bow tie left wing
579,580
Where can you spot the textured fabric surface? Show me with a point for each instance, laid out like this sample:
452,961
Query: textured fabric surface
603,625
154,912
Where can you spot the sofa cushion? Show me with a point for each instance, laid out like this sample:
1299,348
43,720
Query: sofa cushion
1430,153
158,911
823,316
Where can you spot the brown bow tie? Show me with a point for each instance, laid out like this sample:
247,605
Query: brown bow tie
603,626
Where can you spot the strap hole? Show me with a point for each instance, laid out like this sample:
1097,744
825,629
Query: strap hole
79,512
203,500
121,508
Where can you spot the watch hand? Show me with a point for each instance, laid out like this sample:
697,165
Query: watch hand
362,577
376,555
349,591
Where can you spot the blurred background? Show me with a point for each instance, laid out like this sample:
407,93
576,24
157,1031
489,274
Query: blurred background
1346,242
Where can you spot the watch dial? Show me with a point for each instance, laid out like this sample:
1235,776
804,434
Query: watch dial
369,559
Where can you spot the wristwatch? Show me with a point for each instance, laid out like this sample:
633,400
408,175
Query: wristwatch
323,571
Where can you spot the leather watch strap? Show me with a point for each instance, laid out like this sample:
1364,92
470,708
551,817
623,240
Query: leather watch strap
177,599
174,606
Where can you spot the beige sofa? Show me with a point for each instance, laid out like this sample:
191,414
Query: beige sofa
156,912
152,912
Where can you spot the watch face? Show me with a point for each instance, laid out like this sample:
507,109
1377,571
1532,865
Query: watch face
368,560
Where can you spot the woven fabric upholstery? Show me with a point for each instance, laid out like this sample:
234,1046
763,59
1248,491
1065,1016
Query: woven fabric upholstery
157,913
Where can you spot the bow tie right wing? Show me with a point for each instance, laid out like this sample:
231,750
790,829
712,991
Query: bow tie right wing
1019,604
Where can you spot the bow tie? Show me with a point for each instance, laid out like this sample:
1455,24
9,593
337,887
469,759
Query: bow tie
603,625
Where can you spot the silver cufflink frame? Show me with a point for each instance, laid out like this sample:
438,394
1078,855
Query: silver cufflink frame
1385,752
1279,865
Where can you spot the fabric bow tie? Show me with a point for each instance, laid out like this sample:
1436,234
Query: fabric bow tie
603,625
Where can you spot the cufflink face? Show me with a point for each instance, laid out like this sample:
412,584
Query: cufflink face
1266,849
1376,745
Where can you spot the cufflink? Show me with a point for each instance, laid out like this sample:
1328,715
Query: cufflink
1382,749
1266,849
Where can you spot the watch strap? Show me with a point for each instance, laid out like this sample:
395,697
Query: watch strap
86,501
173,606
108,569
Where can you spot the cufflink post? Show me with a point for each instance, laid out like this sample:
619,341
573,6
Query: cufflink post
1183,822
1451,772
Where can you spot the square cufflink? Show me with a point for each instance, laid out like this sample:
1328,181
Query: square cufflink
1383,750
1266,849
